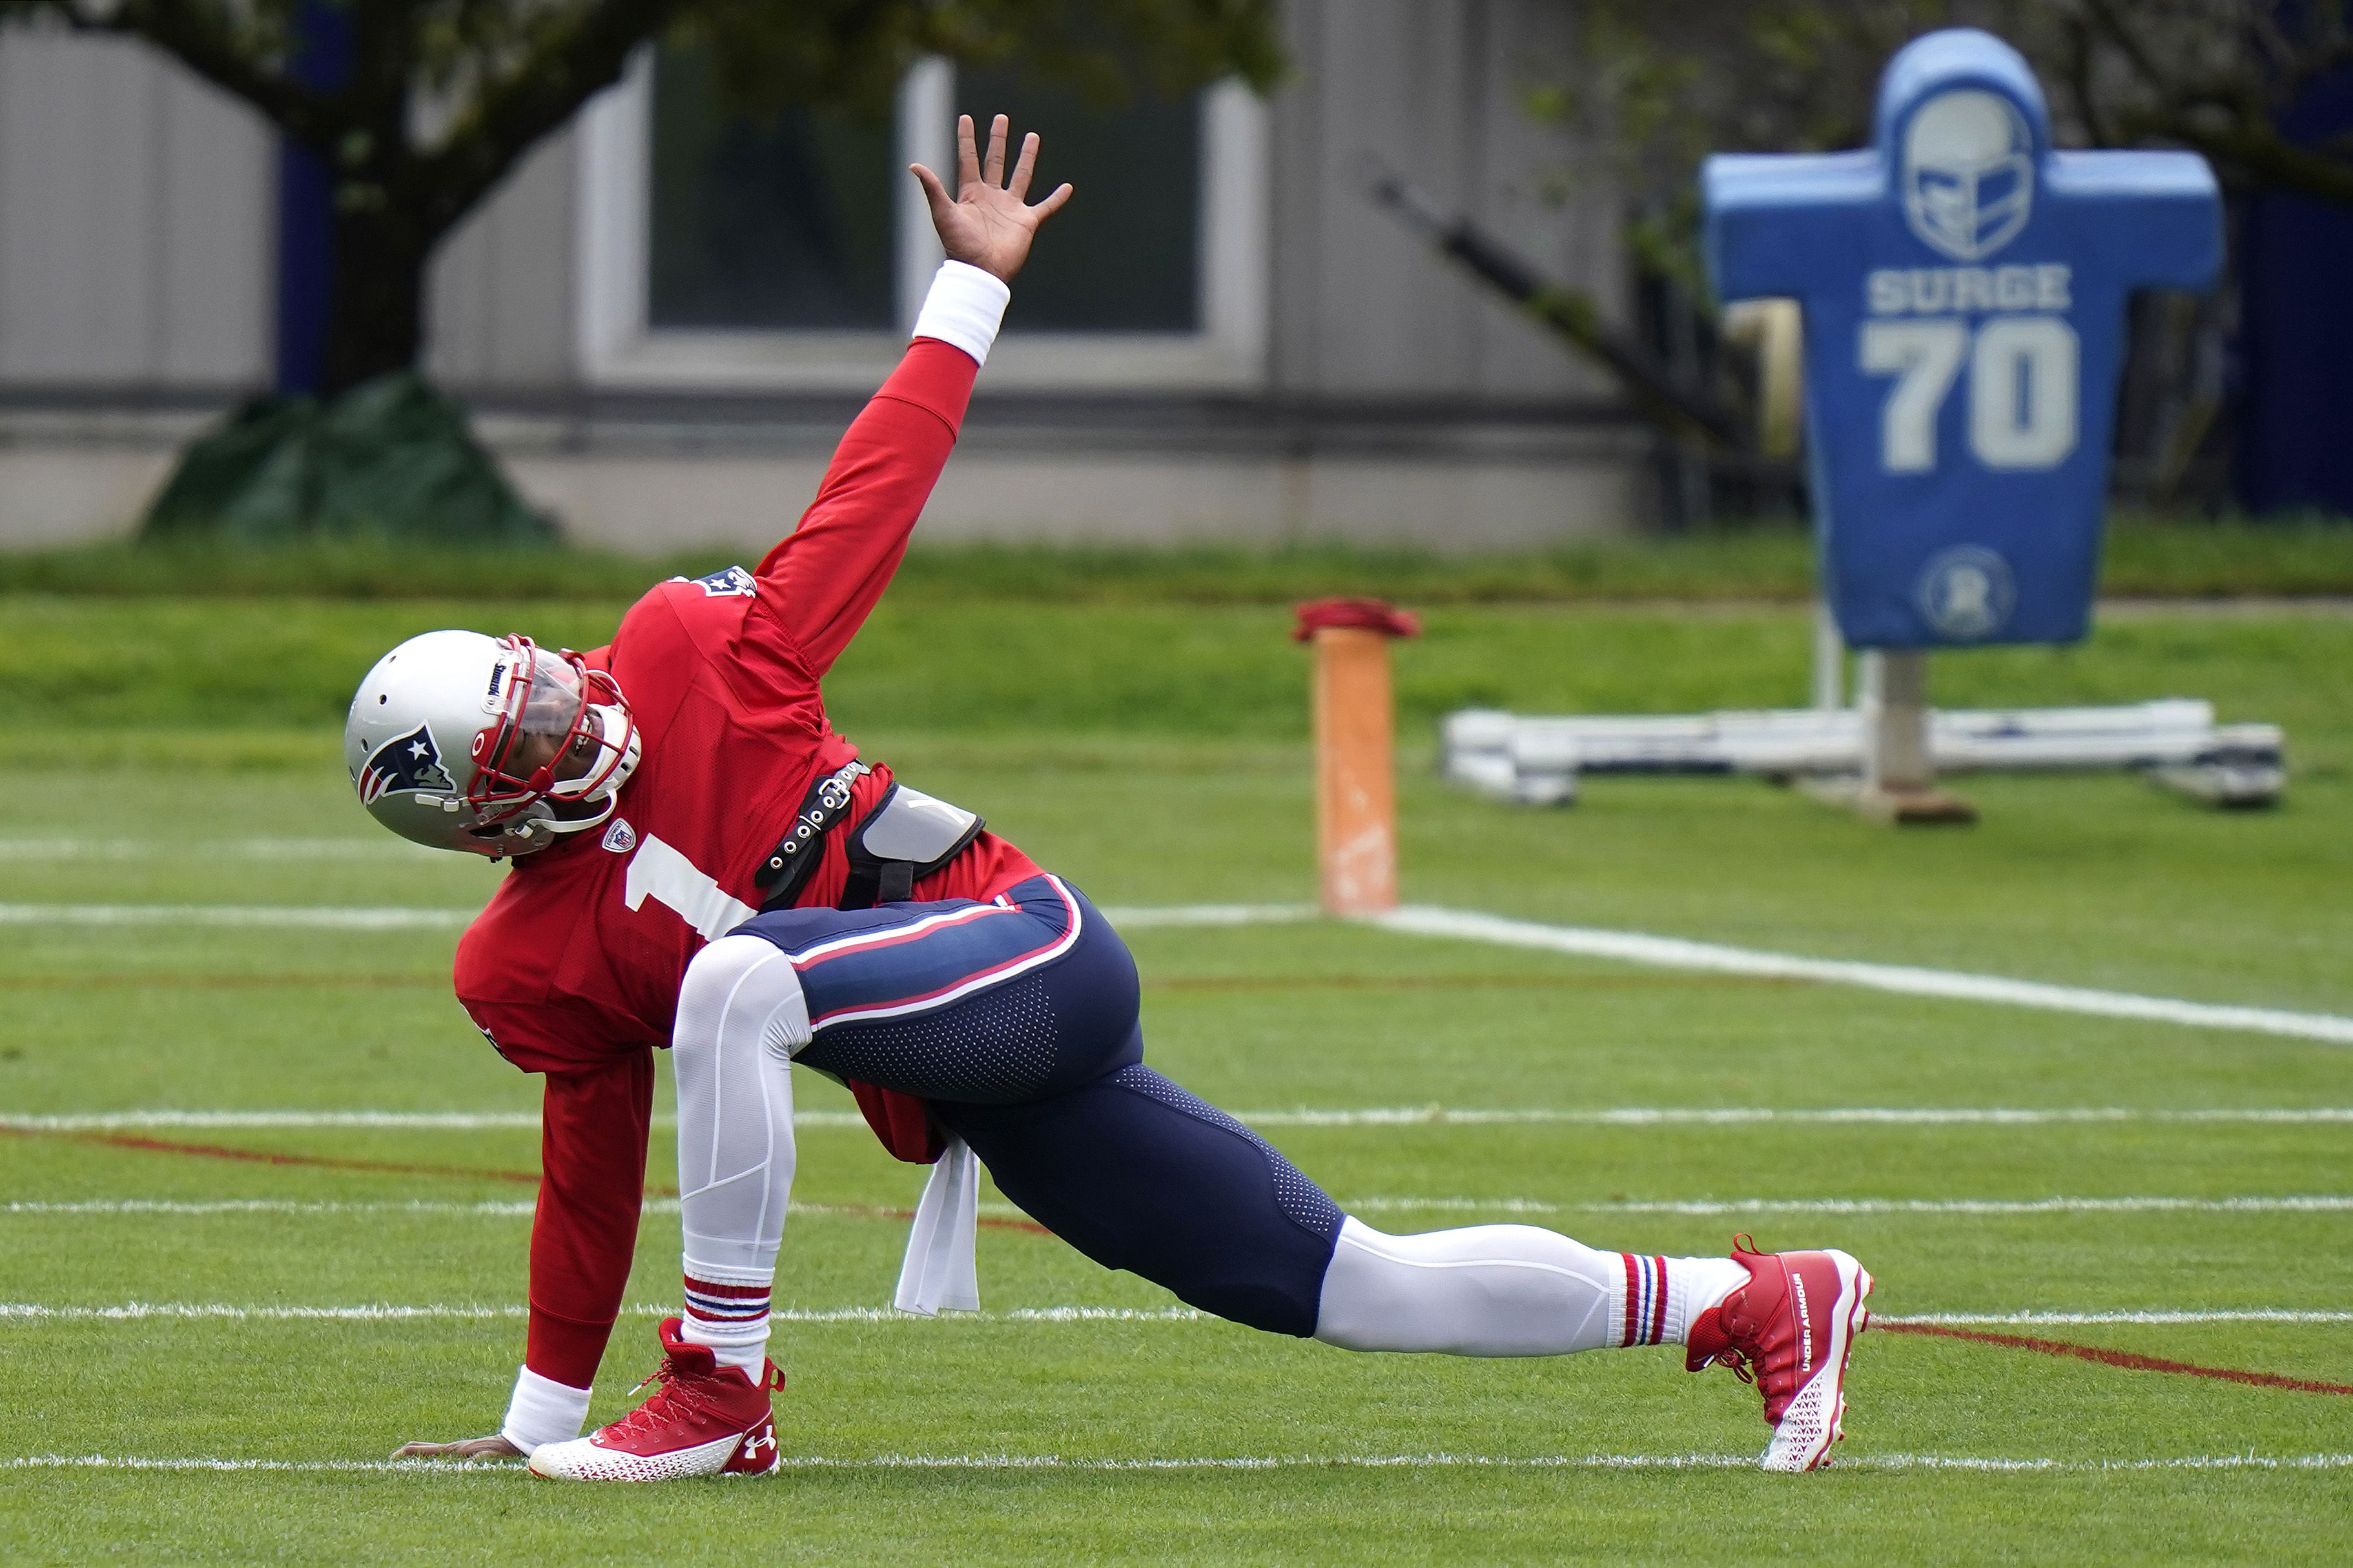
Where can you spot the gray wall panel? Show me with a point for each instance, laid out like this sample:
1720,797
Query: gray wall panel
458,304
1383,75
216,279
1543,192
135,214
136,209
1434,88
75,130
1295,204
502,301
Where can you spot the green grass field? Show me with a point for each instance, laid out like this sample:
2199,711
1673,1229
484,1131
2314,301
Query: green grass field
182,751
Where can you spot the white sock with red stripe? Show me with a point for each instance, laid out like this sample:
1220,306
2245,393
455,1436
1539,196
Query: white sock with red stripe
1659,1297
727,1311
1484,1290
1508,1291
741,1015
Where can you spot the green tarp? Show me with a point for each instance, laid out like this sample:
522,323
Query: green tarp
391,458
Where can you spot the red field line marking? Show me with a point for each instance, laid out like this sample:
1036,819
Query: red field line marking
393,1168
2124,1359
268,1156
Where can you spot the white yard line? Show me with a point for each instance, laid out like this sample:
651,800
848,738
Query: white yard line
524,1208
489,1209
386,1312
380,1311
401,1121
1145,916
301,916
2040,1465
2324,1202
165,851
1627,947
402,917
424,1121
1741,1115
141,1311
198,1207
2154,1315
1450,1205
1905,980
1371,1116
2306,1203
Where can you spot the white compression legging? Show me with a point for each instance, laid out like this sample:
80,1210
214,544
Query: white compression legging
741,1016
1485,1289
1482,1290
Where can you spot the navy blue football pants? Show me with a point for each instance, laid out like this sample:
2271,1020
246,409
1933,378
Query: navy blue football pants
1016,1020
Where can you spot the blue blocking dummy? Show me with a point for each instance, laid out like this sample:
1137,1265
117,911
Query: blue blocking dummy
1963,287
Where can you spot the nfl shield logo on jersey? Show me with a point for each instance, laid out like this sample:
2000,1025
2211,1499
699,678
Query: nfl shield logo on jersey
410,762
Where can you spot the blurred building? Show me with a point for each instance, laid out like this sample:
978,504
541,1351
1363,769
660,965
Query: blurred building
664,319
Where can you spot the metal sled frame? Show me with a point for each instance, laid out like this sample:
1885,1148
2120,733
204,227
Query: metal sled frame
1882,754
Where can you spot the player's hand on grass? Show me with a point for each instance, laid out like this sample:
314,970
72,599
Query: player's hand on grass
987,223
494,1447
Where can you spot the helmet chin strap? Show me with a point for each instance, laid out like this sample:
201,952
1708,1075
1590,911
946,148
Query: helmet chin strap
542,830
599,784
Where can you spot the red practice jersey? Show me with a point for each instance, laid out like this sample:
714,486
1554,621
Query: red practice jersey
574,970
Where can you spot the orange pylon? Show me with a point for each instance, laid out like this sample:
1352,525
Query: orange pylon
1356,735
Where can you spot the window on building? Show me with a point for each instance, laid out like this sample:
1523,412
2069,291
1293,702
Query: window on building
721,249
1125,255
776,222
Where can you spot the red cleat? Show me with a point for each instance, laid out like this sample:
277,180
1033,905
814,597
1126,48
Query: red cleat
1789,1331
705,1420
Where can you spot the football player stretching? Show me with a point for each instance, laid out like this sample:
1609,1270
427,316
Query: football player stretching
701,863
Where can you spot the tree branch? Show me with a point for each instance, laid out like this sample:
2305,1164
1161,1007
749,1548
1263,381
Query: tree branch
202,35
2078,77
541,89
2271,159
2126,41
2243,132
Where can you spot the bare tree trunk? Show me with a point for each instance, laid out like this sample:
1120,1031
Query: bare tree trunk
375,319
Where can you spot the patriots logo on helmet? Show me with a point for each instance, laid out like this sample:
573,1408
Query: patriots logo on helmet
410,762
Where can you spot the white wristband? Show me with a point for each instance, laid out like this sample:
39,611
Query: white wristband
964,307
543,1411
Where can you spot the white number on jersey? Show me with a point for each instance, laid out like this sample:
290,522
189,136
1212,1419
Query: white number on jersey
2022,387
669,878
1923,357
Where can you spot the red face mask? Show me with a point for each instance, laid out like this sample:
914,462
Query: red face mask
561,731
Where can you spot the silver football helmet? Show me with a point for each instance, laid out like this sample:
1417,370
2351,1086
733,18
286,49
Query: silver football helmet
490,745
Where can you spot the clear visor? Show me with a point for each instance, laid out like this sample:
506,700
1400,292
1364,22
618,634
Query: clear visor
547,718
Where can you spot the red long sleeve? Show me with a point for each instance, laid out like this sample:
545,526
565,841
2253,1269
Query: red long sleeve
593,1130
823,581
811,595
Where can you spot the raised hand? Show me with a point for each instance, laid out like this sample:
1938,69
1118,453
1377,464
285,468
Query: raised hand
986,223
490,1448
